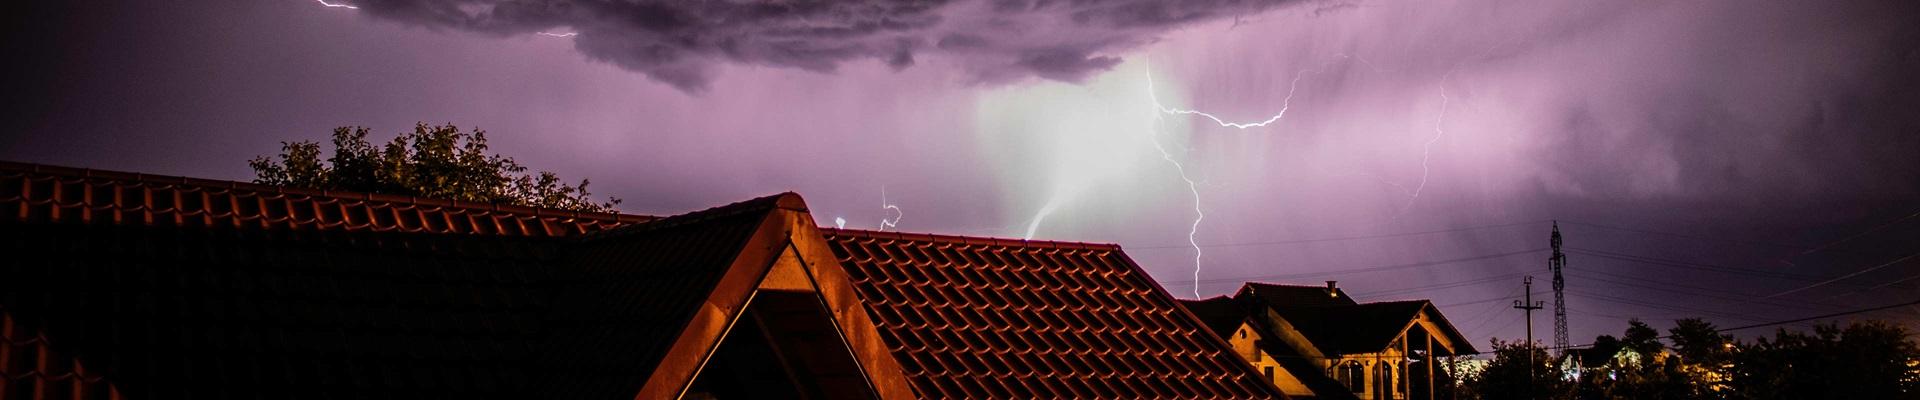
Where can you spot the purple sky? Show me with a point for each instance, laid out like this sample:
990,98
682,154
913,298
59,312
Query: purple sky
1691,136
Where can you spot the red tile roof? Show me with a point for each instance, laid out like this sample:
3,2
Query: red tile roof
184,288
999,318
31,369
47,193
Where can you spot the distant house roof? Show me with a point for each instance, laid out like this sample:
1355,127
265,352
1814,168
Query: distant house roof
1296,295
999,318
1225,315
129,285
1341,325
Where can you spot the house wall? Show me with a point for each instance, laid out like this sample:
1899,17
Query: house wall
1382,375
1246,343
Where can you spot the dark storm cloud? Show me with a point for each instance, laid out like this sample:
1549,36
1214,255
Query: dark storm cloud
681,42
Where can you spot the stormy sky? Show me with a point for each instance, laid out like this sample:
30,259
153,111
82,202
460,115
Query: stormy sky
1724,159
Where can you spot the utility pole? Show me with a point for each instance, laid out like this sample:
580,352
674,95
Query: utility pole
1528,306
1557,263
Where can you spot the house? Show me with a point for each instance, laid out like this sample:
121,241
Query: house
122,285
1318,342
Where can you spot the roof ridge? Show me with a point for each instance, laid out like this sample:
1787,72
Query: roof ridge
137,177
966,239
755,205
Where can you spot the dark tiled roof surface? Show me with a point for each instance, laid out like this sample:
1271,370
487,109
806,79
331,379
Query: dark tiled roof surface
997,318
31,369
1361,328
1222,314
1225,315
48,193
174,312
635,289
1336,324
333,306
1296,295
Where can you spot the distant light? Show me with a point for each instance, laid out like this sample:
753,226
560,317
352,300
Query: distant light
840,223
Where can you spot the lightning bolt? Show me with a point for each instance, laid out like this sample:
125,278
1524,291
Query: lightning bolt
1426,153
338,5
1286,104
354,7
886,205
1193,230
1199,214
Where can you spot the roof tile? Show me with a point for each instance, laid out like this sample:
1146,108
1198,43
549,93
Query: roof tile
985,317
58,194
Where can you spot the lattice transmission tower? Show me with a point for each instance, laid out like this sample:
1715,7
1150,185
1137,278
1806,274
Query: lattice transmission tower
1556,263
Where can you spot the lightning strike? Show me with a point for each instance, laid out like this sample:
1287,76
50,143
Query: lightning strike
886,205
338,5
1053,203
558,35
839,223
1426,153
1285,105
1193,231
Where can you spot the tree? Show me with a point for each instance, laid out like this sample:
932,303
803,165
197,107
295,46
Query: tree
1518,371
1866,360
432,161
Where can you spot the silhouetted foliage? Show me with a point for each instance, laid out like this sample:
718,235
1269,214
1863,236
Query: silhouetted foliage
432,161
1518,371
1866,360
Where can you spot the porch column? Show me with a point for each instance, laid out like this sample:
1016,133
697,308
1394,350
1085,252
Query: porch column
1429,362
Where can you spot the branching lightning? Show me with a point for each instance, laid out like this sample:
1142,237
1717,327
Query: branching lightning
338,5
1199,214
1285,105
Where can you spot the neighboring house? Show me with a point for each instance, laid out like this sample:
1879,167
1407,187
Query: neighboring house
120,285
1316,342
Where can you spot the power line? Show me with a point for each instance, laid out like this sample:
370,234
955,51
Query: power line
1863,233
1799,320
1627,301
1844,277
1691,265
1380,268
1688,236
1700,291
1824,316
1341,238
1448,285
1489,300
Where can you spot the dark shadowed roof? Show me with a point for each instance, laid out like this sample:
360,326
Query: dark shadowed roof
1225,315
1296,295
162,287
194,312
631,292
1360,328
1340,325
1222,314
997,318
